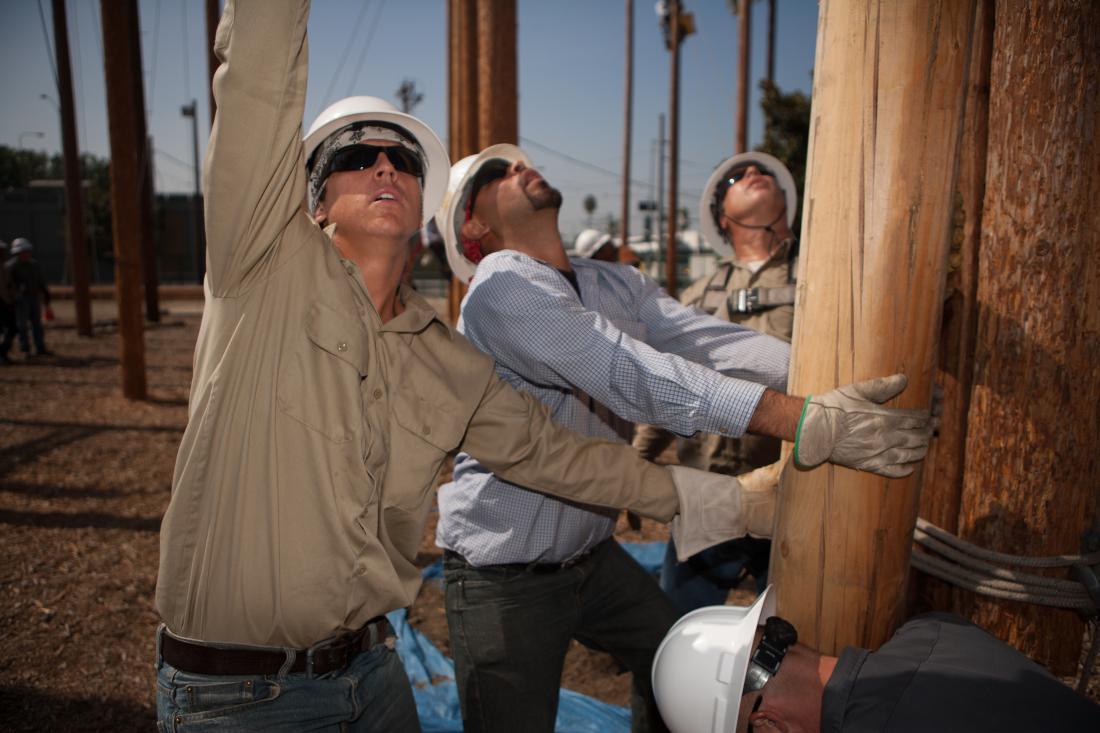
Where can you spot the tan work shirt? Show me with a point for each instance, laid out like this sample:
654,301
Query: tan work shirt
315,432
715,453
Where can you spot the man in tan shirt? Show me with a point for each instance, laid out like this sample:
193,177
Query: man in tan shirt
325,398
746,212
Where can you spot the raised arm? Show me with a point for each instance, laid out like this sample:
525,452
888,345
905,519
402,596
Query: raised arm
254,181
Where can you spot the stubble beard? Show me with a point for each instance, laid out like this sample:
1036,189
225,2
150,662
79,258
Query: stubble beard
544,196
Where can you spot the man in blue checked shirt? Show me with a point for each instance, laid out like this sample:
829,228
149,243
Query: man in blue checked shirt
602,346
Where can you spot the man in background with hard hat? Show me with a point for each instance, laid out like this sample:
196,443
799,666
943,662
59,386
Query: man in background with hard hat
592,244
32,296
746,213
600,344
326,396
938,672
7,307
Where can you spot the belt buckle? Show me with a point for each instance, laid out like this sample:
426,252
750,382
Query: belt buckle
328,645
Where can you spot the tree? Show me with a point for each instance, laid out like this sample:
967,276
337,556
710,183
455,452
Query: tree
18,167
787,132
408,96
590,207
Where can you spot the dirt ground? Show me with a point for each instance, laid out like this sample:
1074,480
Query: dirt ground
85,477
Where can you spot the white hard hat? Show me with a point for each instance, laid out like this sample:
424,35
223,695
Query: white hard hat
21,244
708,222
589,242
372,109
699,669
452,213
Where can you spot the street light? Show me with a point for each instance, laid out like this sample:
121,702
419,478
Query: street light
32,133
51,100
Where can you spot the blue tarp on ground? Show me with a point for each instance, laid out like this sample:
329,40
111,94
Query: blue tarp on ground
432,674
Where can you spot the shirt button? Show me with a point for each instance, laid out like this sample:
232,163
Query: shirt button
360,571
377,394
342,346
427,430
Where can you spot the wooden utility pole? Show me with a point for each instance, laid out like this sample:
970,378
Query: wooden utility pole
498,110
941,488
74,204
462,103
673,146
744,26
1031,474
148,242
771,42
122,62
888,99
628,112
213,15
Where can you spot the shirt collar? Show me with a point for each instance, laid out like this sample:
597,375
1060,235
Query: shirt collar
834,700
779,255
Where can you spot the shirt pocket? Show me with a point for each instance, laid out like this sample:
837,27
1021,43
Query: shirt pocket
319,382
427,430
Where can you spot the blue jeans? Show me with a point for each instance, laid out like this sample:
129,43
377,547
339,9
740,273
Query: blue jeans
706,578
510,627
28,312
371,695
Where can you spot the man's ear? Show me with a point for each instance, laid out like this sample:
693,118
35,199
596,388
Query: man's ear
319,214
474,229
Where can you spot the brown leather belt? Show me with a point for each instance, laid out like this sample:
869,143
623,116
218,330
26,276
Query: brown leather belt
331,655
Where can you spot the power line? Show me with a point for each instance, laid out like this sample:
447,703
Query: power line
80,76
153,71
49,48
578,161
173,159
366,45
347,50
186,65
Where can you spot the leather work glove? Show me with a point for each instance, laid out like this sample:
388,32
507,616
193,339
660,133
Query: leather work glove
715,507
849,427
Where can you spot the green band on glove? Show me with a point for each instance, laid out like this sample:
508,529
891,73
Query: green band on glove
798,430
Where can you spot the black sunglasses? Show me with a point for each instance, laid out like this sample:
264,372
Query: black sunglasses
363,156
489,172
738,172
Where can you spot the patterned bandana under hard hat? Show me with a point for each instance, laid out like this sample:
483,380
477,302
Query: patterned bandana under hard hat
354,134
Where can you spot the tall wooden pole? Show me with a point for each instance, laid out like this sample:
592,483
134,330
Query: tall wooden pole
771,41
888,100
628,113
673,148
744,26
1031,475
74,205
122,61
148,241
941,488
213,15
498,109
462,106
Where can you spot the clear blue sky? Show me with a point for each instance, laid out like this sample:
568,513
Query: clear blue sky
570,80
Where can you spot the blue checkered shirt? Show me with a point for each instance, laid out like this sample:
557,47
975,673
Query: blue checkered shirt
622,351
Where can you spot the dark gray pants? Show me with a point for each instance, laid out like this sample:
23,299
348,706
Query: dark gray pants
511,625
